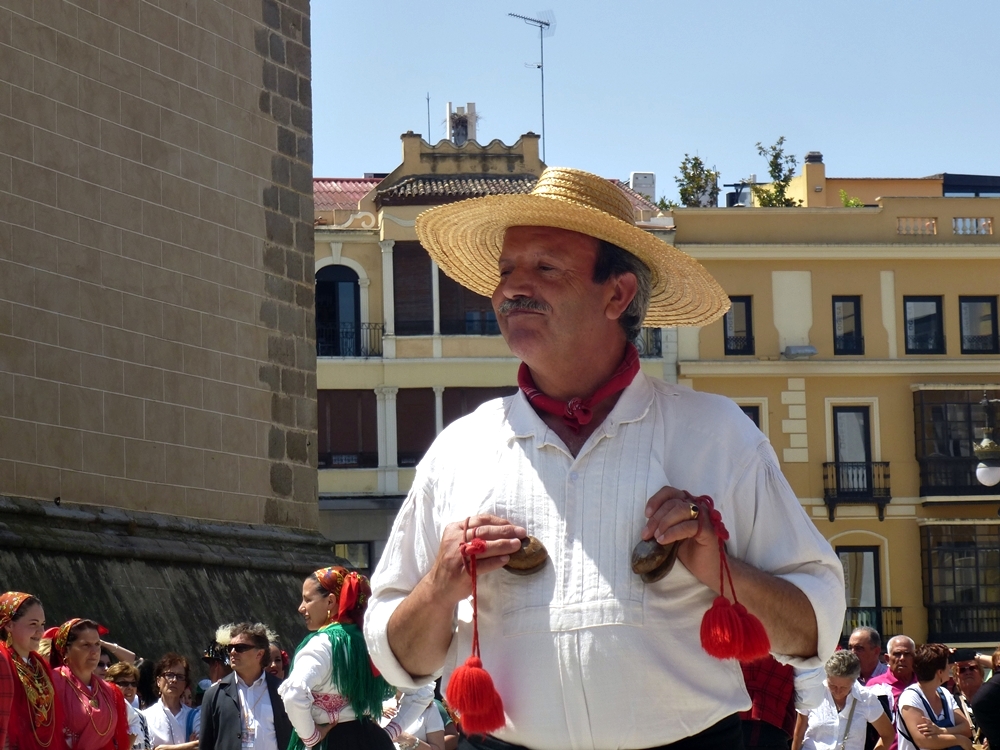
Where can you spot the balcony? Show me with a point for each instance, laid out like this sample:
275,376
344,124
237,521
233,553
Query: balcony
951,476
367,460
649,343
849,344
349,340
888,621
739,345
856,483
957,623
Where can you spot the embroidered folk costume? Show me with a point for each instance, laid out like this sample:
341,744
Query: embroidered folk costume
95,717
36,718
332,680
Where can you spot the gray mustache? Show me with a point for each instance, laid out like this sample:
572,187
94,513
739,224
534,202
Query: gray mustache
521,303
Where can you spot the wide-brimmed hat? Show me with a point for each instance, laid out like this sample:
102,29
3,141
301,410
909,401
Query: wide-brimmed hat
465,239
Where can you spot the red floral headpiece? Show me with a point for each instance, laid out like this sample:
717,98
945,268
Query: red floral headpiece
10,602
351,590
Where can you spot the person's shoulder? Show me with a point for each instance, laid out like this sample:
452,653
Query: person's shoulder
879,679
710,409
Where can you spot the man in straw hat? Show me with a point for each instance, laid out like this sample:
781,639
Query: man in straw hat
586,457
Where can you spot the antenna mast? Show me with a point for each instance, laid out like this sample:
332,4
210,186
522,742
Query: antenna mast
546,27
429,117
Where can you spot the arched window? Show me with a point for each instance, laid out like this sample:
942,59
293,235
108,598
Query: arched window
338,312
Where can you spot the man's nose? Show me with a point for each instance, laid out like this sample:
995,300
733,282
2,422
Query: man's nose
516,283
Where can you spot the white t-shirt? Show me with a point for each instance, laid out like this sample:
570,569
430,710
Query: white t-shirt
165,728
913,697
826,727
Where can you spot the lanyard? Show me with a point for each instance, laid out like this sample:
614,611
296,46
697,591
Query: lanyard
850,718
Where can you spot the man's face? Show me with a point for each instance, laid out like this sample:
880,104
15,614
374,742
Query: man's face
867,654
244,656
901,659
547,303
970,677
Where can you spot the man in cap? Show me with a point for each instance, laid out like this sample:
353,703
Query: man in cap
216,656
589,457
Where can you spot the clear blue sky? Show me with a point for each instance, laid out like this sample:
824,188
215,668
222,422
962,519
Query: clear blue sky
883,89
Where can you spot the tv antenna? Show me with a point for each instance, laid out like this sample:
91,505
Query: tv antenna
546,25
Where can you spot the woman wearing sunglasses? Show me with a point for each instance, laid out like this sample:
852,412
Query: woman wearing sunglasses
126,678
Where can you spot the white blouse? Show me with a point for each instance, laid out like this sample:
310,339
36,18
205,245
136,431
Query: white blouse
577,650
827,726
311,695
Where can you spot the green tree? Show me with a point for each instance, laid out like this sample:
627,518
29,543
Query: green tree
781,167
848,202
697,184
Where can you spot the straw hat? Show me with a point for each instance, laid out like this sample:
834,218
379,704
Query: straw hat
465,239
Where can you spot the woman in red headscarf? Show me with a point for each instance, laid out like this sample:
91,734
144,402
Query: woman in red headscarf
94,711
36,718
333,695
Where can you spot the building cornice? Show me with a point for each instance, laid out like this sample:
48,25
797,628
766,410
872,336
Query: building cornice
853,367
907,251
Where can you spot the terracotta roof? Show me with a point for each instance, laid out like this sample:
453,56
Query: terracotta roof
639,202
424,190
335,193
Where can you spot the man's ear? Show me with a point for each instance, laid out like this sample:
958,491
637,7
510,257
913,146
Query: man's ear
624,288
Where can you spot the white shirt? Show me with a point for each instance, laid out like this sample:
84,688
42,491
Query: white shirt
429,721
257,715
583,653
827,725
912,696
164,727
137,726
310,694
411,707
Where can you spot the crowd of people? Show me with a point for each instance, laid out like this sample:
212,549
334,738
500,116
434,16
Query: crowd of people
902,698
69,688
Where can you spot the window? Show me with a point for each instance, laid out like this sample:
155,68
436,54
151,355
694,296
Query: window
979,325
348,429
924,325
338,313
415,424
961,580
753,412
463,312
412,293
847,338
947,424
738,326
457,402
358,554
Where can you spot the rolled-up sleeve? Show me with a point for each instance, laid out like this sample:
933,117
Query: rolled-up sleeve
313,665
784,542
409,554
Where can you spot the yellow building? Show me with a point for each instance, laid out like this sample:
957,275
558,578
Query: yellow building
860,340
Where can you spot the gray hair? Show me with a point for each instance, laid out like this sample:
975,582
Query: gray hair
913,644
872,634
843,664
613,261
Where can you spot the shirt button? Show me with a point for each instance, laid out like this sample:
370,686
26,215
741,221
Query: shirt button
573,475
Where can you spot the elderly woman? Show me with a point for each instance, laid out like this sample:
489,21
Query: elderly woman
928,715
95,717
36,716
126,677
332,694
841,721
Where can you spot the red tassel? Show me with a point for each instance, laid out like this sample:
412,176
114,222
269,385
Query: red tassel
722,630
471,693
756,644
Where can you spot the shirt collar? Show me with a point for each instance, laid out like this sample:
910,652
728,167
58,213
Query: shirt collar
256,683
632,405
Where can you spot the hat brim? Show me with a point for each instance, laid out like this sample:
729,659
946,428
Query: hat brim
465,239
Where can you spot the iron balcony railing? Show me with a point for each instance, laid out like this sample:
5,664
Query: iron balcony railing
950,623
363,460
951,476
649,343
980,344
849,344
856,482
349,340
739,345
888,621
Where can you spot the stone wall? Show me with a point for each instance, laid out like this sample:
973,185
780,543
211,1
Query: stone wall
156,302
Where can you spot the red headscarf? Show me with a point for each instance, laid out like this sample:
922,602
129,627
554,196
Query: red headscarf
351,590
10,602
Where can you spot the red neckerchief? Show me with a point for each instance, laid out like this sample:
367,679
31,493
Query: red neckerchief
577,412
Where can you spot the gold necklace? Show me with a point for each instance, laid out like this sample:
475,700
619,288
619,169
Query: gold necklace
93,701
40,693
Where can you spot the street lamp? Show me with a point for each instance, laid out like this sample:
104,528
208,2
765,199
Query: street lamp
987,450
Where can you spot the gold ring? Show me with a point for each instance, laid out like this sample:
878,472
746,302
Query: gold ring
694,511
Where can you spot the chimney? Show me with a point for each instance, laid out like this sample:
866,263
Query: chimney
814,172
460,123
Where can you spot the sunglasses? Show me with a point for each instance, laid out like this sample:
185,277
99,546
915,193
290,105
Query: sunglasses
240,648
126,684
967,668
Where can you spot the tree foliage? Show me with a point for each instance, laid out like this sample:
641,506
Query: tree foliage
781,168
849,202
697,184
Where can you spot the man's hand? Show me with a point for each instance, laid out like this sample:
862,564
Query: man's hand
669,512
420,630
448,578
